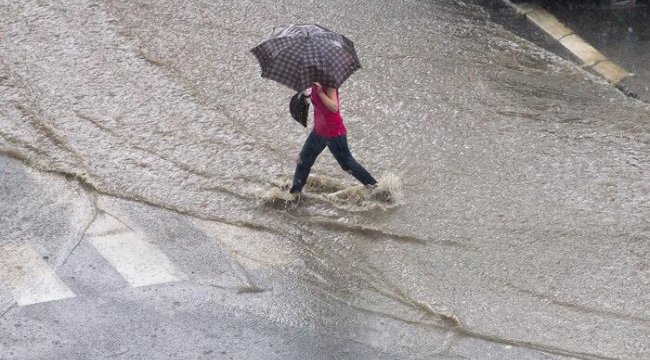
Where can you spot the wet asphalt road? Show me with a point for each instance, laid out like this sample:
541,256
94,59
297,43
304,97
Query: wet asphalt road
522,234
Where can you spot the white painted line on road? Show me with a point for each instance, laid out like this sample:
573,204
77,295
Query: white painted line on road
257,249
28,278
106,224
140,263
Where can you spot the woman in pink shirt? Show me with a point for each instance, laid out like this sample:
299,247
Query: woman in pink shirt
329,131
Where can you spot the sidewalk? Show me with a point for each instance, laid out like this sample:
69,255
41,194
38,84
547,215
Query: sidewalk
614,44
622,35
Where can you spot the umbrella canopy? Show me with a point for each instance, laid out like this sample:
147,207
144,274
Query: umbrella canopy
299,55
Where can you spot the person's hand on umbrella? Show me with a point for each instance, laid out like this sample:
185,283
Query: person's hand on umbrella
319,87
328,98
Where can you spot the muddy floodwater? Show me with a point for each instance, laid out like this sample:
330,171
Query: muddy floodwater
523,182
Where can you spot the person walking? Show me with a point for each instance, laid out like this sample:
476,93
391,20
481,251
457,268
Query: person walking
329,131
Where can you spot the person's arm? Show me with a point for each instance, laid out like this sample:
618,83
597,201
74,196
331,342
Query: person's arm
329,99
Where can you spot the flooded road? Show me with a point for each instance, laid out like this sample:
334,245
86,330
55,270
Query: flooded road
524,216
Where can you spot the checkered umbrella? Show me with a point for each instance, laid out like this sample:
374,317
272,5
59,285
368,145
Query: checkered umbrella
299,55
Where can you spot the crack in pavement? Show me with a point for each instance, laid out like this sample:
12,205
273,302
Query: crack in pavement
11,307
95,211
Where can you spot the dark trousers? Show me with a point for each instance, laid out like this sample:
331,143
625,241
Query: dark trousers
314,145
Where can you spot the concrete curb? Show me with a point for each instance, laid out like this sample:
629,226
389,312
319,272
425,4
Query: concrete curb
590,57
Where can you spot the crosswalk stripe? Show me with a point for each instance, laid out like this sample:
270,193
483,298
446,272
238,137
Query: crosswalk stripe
105,224
139,262
28,278
257,249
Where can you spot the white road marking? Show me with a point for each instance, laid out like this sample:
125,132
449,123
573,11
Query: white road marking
139,262
28,278
256,249
106,224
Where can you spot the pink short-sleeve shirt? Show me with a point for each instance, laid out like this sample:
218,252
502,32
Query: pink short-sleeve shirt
326,123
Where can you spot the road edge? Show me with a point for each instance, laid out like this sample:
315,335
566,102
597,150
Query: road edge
591,58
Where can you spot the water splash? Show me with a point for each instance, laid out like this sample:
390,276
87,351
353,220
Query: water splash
388,193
